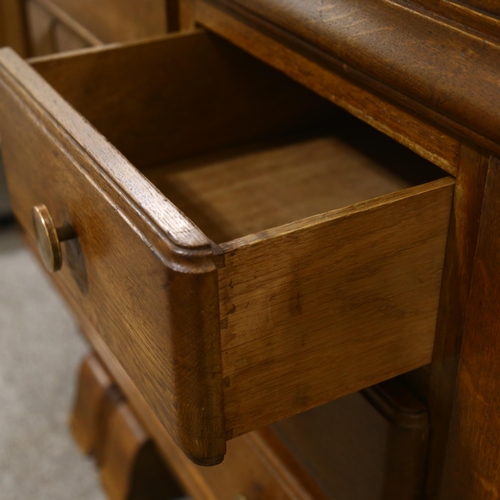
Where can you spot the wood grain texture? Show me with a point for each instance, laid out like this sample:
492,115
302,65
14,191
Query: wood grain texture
315,310
370,272
173,289
455,295
383,40
163,329
102,158
370,445
489,6
472,469
180,96
118,20
244,191
481,15
400,123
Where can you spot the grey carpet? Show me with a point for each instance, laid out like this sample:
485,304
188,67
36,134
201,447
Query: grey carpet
40,351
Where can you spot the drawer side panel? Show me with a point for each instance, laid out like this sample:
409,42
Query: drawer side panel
331,305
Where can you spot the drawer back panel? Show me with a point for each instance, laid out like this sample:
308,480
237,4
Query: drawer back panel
179,97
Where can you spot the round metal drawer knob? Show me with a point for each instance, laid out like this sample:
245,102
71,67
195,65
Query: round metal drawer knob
49,238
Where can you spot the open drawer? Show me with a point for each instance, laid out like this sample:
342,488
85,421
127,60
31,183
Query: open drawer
246,250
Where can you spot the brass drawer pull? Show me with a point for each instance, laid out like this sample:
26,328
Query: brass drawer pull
49,238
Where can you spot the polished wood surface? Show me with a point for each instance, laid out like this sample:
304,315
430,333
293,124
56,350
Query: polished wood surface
440,65
186,95
455,295
399,122
481,15
378,43
164,314
471,468
237,195
423,72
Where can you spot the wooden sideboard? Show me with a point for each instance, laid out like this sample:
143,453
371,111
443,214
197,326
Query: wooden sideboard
297,201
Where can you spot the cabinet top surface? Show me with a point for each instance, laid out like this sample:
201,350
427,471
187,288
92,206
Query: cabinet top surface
410,49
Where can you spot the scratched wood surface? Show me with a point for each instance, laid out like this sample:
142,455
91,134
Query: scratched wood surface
483,15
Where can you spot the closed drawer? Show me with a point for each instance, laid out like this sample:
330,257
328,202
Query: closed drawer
240,266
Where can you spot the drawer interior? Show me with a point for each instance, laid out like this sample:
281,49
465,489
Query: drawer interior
247,190
234,144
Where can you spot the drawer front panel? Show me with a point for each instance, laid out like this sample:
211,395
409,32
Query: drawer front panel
148,324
